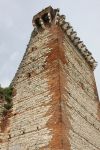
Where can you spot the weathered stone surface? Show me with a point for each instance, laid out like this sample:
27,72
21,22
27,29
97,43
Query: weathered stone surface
79,100
55,105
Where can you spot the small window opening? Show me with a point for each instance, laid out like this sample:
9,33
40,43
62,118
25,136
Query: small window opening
32,49
28,75
37,128
37,22
45,18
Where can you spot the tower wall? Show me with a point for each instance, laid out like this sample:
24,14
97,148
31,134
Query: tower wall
55,102
79,100
36,117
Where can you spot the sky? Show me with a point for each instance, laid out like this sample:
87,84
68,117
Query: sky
16,27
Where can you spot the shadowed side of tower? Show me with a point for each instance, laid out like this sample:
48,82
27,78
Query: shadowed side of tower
55,106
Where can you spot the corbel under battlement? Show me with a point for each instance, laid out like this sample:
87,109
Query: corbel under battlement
50,16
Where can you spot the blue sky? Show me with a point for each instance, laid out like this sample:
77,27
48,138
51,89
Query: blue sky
16,27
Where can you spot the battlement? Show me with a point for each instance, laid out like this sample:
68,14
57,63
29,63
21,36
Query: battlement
44,18
50,16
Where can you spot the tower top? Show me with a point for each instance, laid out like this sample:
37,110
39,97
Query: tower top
50,16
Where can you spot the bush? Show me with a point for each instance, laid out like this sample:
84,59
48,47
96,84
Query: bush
6,96
8,106
6,93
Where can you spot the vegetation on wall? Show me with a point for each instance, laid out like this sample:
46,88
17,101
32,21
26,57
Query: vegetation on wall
6,97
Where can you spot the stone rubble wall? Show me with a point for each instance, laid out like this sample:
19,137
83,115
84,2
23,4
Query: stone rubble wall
79,101
34,123
55,106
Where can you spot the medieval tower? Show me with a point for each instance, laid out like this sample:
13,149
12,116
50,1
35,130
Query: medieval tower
55,100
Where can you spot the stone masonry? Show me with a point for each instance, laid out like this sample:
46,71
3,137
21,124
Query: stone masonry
55,101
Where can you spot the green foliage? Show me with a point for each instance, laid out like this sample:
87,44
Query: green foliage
6,96
1,93
8,106
6,93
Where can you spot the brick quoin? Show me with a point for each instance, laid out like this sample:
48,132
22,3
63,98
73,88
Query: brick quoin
55,101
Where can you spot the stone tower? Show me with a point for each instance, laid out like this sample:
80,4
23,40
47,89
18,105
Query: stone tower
55,102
